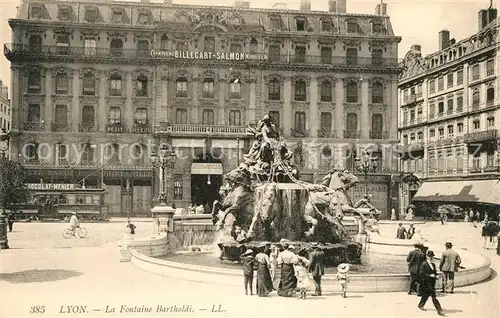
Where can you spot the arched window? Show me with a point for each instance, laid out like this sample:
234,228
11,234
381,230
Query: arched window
475,98
352,92
209,44
254,46
164,42
116,47
141,117
326,91
300,90
141,85
377,93
89,84
115,85
274,89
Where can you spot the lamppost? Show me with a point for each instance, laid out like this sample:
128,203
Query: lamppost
366,163
4,146
164,159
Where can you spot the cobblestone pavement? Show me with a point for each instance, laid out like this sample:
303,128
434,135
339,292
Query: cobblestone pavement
42,274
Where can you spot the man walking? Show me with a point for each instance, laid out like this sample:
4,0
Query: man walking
428,275
450,260
414,260
401,232
317,259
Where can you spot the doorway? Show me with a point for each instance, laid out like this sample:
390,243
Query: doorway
205,189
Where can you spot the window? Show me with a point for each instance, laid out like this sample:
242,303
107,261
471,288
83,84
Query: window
449,109
143,18
377,27
164,42
235,88
209,44
31,152
300,54
432,86
275,23
274,90
274,53
36,12
449,80
460,127
440,83
115,116
450,131
90,47
234,118
181,46
326,122
405,117
352,123
88,116
475,98
412,138
181,87
432,110
275,117
254,46
352,92
432,133
141,86
143,47
441,132
326,25
419,114
300,122
61,115
300,24
35,44
62,154
235,47
62,45
405,139
420,135
326,91
475,72
460,77
208,87
352,27
33,113
412,116
115,85
178,187
490,157
490,67
378,93
62,83
440,108
491,122
87,157
181,116
419,91
34,82
377,57
460,103
476,124
351,56
377,126
116,47
88,84
490,96
117,16
326,55
141,117
90,15
300,90
207,117
476,161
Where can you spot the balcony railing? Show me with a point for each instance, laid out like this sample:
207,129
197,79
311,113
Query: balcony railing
299,132
375,134
57,127
204,129
352,134
30,126
327,133
14,50
480,136
88,127
114,128
140,129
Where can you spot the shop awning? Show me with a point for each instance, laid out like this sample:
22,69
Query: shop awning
480,191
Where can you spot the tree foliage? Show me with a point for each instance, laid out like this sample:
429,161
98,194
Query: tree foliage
12,184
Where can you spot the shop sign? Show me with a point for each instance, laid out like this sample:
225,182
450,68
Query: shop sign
221,56
206,168
51,186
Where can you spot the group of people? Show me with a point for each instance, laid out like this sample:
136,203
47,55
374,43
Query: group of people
423,273
298,274
403,233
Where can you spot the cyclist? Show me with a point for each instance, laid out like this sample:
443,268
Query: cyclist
74,223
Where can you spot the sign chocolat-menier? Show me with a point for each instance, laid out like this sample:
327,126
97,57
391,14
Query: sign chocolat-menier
50,186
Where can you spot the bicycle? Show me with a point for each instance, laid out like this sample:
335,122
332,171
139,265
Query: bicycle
81,232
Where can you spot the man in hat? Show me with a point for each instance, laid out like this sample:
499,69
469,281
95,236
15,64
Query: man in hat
401,232
248,262
414,260
428,274
317,260
450,260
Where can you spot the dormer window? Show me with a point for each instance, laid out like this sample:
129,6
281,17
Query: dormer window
91,15
352,27
377,27
36,12
143,18
326,25
275,23
117,16
64,14
300,24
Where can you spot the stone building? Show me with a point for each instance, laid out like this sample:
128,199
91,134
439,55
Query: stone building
132,75
4,107
450,116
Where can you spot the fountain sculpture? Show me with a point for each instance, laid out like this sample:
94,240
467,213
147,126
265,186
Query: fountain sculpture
264,202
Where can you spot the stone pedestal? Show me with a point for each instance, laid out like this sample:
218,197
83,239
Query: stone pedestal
163,218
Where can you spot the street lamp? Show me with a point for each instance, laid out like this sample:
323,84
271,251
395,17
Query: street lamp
165,159
366,163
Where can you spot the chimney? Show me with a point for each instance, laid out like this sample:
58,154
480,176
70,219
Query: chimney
444,39
452,42
381,9
305,5
5,92
416,47
341,6
482,19
332,6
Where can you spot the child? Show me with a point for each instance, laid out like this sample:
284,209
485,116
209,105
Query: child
342,277
248,266
303,281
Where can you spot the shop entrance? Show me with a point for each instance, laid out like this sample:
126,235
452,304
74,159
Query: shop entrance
206,180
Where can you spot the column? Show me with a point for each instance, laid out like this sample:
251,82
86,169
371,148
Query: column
160,113
47,108
339,117
102,107
365,113
391,102
74,111
129,107
222,100
287,107
195,86
16,100
250,115
313,119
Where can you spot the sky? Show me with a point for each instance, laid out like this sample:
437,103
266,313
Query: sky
416,21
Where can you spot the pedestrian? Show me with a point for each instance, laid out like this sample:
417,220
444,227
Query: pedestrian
131,227
478,217
393,214
450,260
498,243
264,283
471,216
288,281
414,260
428,274
304,283
10,221
411,232
273,258
317,262
248,261
401,232
342,277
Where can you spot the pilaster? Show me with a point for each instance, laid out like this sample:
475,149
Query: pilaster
364,113
287,107
391,102
102,109
195,86
47,107
221,85
16,106
339,121
129,107
313,111
75,103
250,116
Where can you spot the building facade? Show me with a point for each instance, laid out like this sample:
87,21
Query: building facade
133,75
449,118
4,107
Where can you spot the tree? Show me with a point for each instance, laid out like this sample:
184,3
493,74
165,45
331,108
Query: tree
12,184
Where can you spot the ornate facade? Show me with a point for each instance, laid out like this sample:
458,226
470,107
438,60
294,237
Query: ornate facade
129,75
449,108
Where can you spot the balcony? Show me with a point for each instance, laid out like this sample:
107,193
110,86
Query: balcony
327,133
299,132
31,126
58,127
352,134
87,127
375,134
411,148
115,128
186,129
141,129
481,136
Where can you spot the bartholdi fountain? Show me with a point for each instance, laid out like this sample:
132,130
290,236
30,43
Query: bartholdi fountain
264,202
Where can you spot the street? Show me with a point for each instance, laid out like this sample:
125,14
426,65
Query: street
84,278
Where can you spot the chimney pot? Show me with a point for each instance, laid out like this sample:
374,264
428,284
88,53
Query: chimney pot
332,6
444,39
341,6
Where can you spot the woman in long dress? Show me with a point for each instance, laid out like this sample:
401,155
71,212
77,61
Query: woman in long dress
264,283
409,214
288,282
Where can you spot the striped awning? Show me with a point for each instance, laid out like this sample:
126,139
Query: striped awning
480,191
